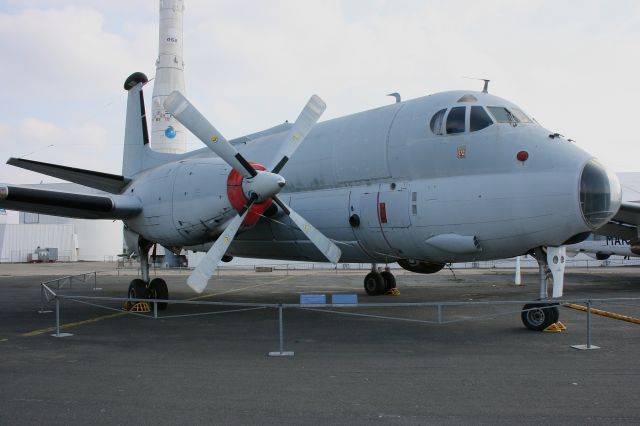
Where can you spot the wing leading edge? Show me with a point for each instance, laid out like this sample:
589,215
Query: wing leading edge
68,204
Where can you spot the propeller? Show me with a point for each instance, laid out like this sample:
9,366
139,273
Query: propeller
192,119
199,278
259,185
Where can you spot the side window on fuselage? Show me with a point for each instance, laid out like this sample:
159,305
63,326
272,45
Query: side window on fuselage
478,119
455,120
437,121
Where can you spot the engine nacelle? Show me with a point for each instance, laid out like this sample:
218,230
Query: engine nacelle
419,266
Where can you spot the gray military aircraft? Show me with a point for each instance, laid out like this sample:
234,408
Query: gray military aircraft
451,177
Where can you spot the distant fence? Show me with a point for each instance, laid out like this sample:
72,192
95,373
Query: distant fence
527,262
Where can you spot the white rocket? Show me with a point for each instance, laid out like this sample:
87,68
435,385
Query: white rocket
167,135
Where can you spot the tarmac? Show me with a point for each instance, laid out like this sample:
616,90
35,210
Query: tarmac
214,368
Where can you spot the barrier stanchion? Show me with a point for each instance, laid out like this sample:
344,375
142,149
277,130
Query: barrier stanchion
281,352
588,346
58,334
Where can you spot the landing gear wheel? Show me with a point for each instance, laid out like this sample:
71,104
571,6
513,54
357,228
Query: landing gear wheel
137,290
374,284
389,280
538,316
158,290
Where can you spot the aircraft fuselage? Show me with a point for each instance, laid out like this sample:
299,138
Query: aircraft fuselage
384,186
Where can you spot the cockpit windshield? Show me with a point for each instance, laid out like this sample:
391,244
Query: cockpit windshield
521,116
508,115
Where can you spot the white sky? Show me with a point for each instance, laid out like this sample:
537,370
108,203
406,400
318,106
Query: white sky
573,65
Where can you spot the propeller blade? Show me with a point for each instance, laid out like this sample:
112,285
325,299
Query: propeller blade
324,244
301,128
200,276
192,119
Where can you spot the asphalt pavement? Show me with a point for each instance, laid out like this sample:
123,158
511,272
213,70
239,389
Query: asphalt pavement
392,366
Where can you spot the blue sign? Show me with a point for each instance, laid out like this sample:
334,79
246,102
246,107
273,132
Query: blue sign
344,299
170,132
313,299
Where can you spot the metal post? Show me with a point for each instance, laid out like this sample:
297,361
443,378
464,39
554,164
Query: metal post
281,328
57,316
155,310
588,324
58,334
518,279
282,352
439,314
588,345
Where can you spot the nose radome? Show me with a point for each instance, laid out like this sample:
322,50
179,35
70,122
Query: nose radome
600,194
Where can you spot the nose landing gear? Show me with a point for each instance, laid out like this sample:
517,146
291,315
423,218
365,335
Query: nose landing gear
539,316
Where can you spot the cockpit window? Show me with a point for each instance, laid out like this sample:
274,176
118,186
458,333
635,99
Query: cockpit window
478,119
455,120
502,115
521,116
437,120
509,115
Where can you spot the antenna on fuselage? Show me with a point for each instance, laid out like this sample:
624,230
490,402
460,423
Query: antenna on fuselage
485,88
397,96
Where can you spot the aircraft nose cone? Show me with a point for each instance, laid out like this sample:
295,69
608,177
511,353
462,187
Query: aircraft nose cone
600,194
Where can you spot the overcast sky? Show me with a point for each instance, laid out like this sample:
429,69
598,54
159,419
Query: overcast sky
573,65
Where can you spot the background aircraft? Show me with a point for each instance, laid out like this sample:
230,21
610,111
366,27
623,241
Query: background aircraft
602,247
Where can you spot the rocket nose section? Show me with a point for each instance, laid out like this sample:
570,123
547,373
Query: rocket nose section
600,194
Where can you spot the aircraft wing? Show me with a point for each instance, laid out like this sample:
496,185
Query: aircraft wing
98,180
68,204
625,223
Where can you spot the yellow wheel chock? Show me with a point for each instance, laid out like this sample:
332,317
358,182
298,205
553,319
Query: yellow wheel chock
557,327
140,307
393,292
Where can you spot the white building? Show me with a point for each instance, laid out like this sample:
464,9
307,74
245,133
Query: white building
75,239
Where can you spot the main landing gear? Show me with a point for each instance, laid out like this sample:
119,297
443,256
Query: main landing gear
539,316
376,283
145,288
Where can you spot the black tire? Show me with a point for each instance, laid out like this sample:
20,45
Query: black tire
374,284
538,316
137,290
158,290
389,280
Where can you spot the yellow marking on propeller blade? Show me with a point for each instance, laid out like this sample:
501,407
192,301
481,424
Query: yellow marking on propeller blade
306,227
296,136
227,239
214,138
